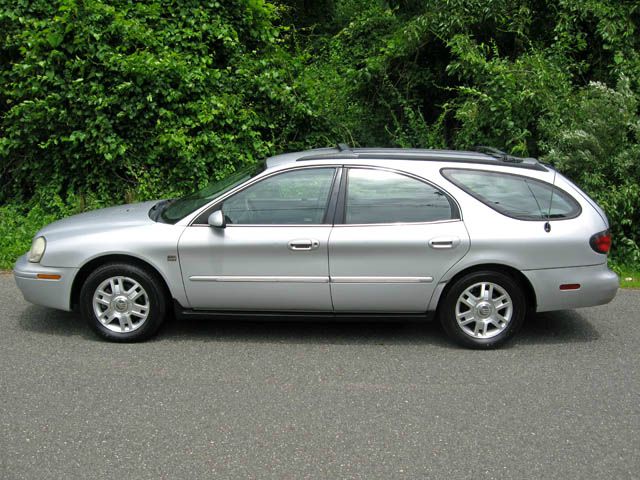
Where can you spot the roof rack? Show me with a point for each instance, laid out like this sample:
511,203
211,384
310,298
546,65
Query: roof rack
499,154
481,155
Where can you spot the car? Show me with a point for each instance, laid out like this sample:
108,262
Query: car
477,239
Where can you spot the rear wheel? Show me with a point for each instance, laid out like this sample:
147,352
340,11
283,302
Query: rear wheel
483,309
123,303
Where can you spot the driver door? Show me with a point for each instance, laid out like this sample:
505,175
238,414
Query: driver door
272,254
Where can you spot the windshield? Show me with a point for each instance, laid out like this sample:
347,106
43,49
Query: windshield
175,210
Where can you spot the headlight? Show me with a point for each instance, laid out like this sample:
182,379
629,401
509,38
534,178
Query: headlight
37,249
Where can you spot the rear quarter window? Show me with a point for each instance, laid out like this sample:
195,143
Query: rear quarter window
515,196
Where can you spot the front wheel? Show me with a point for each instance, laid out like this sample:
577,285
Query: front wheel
483,309
123,303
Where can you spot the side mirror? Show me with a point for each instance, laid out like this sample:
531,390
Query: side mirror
216,219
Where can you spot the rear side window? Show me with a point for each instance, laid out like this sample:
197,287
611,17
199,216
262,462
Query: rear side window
379,196
514,195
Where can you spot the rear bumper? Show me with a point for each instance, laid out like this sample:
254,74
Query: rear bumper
598,285
48,293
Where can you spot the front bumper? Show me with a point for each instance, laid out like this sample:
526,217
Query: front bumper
598,285
48,293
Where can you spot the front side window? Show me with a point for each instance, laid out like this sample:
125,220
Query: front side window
174,210
297,197
514,195
379,196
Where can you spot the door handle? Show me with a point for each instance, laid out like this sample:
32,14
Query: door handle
303,244
444,242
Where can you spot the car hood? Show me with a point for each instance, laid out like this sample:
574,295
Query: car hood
133,214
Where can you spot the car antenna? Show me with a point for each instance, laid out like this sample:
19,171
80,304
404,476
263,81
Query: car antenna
547,224
343,147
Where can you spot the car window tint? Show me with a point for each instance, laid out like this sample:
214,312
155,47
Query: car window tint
378,196
514,195
295,197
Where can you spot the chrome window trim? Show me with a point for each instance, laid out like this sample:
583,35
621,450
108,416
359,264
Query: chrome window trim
245,225
435,222
324,225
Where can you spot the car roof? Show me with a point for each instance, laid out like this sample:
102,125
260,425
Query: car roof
486,155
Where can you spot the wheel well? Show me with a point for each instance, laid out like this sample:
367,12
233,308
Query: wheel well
514,273
89,267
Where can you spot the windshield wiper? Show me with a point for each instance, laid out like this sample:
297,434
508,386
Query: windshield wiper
156,211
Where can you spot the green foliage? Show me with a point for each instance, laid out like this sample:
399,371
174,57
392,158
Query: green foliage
104,101
629,278
20,222
598,146
529,77
505,100
17,228
151,98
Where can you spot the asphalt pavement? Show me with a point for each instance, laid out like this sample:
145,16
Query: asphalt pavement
224,399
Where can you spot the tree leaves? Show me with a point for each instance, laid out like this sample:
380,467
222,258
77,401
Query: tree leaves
100,94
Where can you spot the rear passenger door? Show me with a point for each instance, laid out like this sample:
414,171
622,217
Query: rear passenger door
395,236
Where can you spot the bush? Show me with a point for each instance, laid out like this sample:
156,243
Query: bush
17,228
530,78
598,146
139,99
19,222
110,101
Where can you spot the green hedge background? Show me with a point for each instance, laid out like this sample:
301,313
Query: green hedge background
104,102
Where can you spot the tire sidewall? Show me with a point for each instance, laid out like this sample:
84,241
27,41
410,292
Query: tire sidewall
150,284
447,310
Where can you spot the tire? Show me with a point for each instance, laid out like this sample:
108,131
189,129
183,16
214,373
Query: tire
123,303
499,311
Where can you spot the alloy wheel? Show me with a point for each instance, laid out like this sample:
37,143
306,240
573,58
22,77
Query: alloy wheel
484,310
121,304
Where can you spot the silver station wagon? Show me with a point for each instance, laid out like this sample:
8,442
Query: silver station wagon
476,239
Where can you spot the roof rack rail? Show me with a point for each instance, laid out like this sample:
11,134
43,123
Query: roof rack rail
344,147
491,157
499,154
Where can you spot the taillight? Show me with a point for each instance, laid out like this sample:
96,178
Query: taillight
601,242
